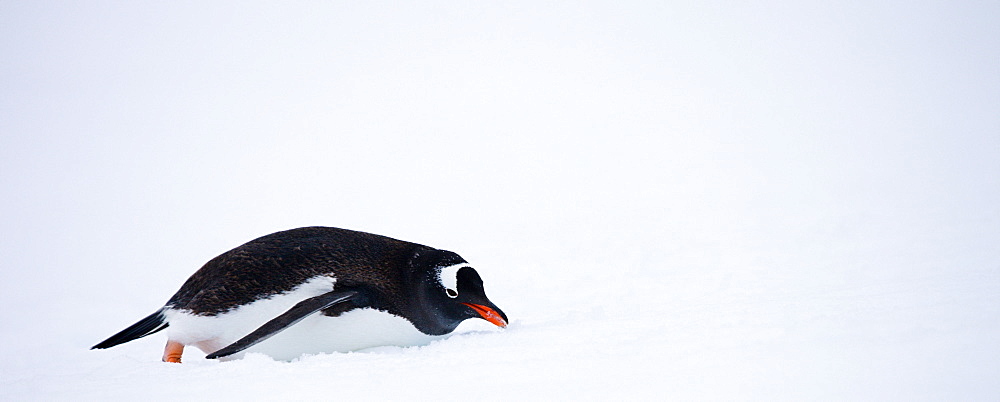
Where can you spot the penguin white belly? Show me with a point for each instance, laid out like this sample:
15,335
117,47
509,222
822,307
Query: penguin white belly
353,330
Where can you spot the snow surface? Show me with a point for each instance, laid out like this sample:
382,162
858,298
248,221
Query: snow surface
670,200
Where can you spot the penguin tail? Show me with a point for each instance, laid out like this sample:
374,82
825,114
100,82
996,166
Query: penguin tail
153,323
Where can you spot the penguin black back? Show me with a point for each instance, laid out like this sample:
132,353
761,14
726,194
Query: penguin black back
281,261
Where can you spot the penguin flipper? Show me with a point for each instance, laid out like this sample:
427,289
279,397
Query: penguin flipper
300,311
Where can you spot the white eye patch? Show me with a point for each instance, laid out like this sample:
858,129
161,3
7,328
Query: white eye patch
448,277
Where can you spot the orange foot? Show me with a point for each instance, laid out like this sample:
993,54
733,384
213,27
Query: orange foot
172,353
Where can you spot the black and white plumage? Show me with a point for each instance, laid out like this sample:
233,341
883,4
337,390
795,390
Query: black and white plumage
318,289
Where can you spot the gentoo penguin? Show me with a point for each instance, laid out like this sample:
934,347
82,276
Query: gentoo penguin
368,290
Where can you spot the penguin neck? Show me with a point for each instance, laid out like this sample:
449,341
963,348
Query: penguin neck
432,315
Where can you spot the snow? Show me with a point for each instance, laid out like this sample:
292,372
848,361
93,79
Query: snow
791,201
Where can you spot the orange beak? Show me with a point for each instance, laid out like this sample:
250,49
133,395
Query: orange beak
488,314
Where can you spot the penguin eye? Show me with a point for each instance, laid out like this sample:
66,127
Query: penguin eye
451,293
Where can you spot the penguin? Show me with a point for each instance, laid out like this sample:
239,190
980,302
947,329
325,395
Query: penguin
316,290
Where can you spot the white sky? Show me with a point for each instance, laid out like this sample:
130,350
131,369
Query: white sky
516,120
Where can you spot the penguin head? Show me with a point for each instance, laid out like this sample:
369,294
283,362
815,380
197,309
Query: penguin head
453,292
463,285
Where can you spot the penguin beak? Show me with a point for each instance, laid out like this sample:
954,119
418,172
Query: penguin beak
489,314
